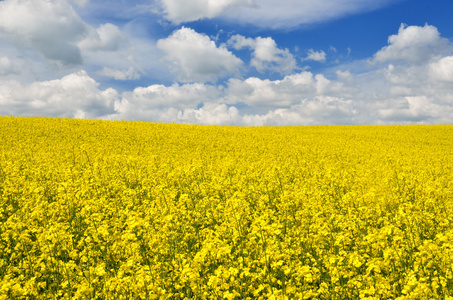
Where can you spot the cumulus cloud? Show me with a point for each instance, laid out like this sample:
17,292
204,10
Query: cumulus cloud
442,69
179,11
205,104
417,91
212,114
266,55
319,56
75,95
299,99
415,109
267,13
52,28
107,37
291,89
195,57
318,110
394,94
413,44
158,102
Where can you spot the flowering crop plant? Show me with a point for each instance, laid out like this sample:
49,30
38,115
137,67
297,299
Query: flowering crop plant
134,210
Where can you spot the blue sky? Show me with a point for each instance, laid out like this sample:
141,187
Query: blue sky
229,62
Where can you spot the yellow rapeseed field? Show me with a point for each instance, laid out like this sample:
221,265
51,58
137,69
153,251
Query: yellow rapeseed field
134,210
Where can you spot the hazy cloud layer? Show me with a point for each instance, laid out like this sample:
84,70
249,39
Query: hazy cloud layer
52,28
80,3
183,11
128,74
267,13
107,37
8,66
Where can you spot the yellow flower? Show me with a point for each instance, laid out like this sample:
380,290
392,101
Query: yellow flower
135,210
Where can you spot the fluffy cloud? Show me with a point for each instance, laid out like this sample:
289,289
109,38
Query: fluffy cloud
267,13
266,55
442,69
318,110
395,94
179,11
415,109
195,57
50,27
280,93
107,37
299,99
158,102
416,91
413,44
211,113
75,95
319,56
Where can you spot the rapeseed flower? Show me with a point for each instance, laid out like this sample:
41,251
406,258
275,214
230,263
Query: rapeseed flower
133,210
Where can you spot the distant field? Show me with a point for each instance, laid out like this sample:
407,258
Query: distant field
133,210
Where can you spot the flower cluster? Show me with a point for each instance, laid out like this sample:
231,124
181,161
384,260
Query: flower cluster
133,210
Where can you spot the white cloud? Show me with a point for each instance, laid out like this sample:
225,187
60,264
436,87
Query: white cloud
195,57
211,113
416,109
319,56
442,69
204,104
107,37
265,93
318,110
75,95
157,102
266,55
413,44
179,11
417,91
239,42
267,13
52,28
384,96
290,90
131,73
